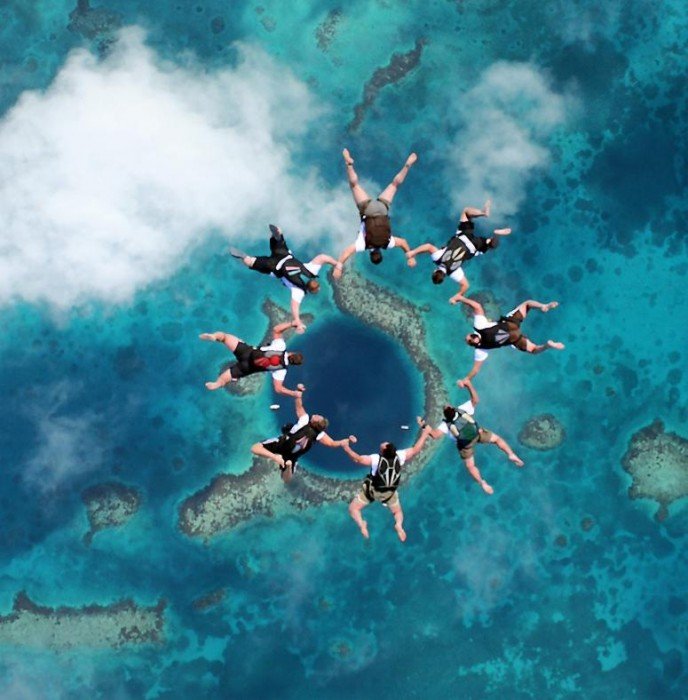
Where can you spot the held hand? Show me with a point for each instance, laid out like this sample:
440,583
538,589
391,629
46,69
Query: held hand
422,423
337,273
353,438
301,387
411,262
300,328
462,383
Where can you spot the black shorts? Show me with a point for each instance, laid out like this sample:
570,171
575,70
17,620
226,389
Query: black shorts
267,264
242,368
277,447
466,226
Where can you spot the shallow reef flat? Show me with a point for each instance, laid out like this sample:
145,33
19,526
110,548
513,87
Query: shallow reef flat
543,432
231,499
108,505
658,463
94,626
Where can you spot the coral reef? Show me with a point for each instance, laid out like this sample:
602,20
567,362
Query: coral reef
658,463
399,65
231,499
94,626
91,22
543,432
209,600
326,31
109,505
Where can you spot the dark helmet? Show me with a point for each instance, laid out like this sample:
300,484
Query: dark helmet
375,256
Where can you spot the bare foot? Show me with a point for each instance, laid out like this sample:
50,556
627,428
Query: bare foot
347,157
211,386
401,532
411,160
487,207
502,231
364,529
486,487
513,457
555,345
550,306
207,336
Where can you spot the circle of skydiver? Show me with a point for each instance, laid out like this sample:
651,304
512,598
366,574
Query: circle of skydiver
458,423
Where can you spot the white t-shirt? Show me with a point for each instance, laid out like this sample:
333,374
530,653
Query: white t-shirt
279,345
360,245
466,407
298,294
298,425
479,322
457,275
375,460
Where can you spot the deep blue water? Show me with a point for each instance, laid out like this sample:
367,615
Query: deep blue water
363,383
507,596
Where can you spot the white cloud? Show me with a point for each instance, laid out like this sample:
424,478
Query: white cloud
506,119
109,176
68,444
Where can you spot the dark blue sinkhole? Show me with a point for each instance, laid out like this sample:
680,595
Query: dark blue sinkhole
363,382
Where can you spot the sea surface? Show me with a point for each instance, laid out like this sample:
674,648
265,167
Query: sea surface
572,117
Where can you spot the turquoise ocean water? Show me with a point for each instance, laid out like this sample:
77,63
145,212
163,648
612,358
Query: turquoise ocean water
500,597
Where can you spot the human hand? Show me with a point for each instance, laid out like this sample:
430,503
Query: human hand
353,438
462,383
301,387
486,487
411,262
300,327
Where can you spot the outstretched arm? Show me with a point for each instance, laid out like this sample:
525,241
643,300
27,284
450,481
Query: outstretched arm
363,460
295,308
298,403
425,248
476,306
467,384
433,433
474,370
411,452
279,387
463,288
346,254
278,330
329,442
324,259
403,244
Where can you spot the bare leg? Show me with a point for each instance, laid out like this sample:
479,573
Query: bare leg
360,195
549,345
261,451
504,447
473,212
355,508
469,462
391,189
398,514
227,339
525,306
224,379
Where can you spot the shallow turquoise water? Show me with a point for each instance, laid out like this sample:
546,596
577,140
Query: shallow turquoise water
484,599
